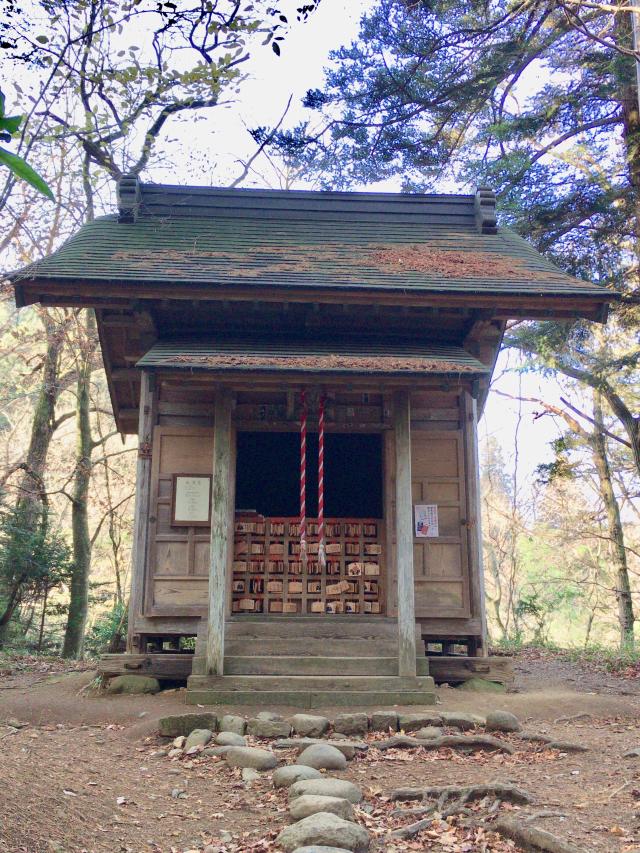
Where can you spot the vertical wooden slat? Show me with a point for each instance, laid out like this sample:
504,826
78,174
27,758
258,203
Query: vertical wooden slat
474,515
139,548
220,533
404,536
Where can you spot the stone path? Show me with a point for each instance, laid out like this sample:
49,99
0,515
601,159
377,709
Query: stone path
324,811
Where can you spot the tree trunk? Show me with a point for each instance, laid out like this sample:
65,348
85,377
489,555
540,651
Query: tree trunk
616,534
29,504
79,584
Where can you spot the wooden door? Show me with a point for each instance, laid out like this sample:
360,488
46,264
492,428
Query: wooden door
178,562
441,567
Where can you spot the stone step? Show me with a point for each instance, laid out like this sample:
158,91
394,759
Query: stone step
306,683
296,665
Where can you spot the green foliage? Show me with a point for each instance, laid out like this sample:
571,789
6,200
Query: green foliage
9,126
607,658
108,629
31,561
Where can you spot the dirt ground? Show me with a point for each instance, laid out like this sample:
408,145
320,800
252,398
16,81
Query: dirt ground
89,773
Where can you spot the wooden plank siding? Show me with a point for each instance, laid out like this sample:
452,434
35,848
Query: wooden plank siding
439,476
178,565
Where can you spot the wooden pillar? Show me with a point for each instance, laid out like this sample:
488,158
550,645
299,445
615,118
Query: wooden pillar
474,515
404,536
139,547
220,533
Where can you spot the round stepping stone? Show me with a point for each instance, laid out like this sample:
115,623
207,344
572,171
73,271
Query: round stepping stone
230,739
308,725
412,722
502,721
351,724
326,787
320,848
233,723
260,727
216,751
429,732
249,756
458,720
309,804
382,721
284,777
198,737
322,756
249,774
324,829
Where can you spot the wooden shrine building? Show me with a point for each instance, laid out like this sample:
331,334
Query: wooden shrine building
239,325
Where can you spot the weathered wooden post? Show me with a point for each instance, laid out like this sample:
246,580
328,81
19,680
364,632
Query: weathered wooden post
404,536
474,514
139,547
220,532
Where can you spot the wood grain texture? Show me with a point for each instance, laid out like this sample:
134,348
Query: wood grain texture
139,548
222,497
474,515
404,535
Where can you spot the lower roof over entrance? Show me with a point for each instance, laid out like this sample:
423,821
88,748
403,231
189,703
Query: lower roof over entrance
313,356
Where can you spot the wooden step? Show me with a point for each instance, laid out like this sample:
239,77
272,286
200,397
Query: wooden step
296,665
320,627
308,691
311,699
308,627
258,683
340,648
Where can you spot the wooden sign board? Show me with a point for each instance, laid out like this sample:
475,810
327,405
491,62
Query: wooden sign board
191,500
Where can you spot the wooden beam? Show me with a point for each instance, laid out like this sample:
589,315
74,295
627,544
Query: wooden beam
139,548
508,305
474,514
404,535
220,533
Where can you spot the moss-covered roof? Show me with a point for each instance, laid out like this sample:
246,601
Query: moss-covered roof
260,238
284,354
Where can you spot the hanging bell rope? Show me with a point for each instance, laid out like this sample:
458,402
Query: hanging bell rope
322,553
303,477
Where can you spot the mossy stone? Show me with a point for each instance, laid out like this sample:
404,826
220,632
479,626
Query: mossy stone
482,685
133,684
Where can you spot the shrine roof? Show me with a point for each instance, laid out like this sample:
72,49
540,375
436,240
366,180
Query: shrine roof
254,239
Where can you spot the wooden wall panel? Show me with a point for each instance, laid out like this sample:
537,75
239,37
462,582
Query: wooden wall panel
177,570
441,566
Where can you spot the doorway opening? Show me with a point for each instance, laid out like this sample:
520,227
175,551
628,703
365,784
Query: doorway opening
268,474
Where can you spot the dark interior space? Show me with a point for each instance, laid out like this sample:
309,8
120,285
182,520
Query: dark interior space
268,474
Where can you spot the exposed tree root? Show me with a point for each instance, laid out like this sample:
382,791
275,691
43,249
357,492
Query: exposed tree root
472,742
498,790
539,815
452,800
532,839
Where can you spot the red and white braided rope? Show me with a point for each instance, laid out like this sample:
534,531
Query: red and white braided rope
322,553
303,477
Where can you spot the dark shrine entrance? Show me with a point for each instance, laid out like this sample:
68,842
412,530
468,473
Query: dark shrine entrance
269,575
268,474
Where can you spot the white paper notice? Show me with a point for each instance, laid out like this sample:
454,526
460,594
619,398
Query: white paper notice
426,520
192,499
